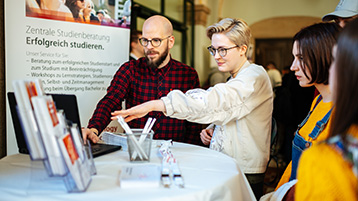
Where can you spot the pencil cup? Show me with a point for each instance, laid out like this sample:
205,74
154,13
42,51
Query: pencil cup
139,145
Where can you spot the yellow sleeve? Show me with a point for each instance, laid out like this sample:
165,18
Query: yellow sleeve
323,174
286,176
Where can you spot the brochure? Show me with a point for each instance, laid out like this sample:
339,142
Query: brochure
50,129
140,176
24,90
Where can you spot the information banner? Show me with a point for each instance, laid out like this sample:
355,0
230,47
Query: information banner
71,55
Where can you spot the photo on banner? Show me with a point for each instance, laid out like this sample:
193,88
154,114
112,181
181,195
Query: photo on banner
82,11
73,46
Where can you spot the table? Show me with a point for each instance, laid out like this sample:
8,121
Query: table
208,175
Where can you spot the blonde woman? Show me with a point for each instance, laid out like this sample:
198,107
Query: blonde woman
240,110
88,13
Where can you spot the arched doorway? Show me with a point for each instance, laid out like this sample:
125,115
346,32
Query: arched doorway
272,38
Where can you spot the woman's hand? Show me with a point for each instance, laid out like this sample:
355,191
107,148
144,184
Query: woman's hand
206,135
139,110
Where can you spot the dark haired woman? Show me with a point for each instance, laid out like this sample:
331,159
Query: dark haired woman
75,7
329,171
312,59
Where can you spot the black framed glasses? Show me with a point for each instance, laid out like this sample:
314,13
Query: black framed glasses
156,42
221,50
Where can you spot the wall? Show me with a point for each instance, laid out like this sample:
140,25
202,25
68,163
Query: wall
2,84
254,12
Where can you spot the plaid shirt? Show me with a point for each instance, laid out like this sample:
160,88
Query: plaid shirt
137,83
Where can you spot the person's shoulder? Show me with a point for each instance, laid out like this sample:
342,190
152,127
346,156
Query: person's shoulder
254,70
323,106
314,159
318,149
320,155
178,64
323,168
135,62
130,65
181,66
323,155
256,67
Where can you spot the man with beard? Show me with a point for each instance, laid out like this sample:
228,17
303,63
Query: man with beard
149,78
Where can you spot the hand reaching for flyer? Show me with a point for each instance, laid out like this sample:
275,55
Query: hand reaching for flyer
139,110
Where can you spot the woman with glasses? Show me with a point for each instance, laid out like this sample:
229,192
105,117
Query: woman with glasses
240,110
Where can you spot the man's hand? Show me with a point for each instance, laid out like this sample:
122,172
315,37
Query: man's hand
206,135
90,134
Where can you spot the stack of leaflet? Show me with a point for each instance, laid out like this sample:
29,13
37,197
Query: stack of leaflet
50,139
115,139
24,90
140,176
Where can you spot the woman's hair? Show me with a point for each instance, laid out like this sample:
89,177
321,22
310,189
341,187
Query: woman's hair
91,3
38,2
72,5
315,44
235,29
345,94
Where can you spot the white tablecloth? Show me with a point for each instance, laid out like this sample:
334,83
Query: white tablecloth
208,175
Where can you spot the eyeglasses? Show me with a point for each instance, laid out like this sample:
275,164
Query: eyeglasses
155,41
222,51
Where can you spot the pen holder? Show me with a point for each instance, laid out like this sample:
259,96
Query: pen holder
139,145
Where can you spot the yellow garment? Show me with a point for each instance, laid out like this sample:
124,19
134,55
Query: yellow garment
318,113
323,174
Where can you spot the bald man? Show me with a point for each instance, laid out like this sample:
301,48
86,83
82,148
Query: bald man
149,78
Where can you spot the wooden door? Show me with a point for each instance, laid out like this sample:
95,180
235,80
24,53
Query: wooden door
276,50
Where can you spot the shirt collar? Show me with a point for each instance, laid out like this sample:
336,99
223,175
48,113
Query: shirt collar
134,56
246,64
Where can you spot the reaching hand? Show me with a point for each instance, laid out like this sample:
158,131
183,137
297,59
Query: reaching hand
206,135
139,110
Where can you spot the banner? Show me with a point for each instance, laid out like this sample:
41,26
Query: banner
71,47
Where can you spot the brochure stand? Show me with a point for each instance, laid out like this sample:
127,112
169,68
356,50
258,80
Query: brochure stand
90,162
87,169
84,175
24,91
83,170
64,154
31,147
